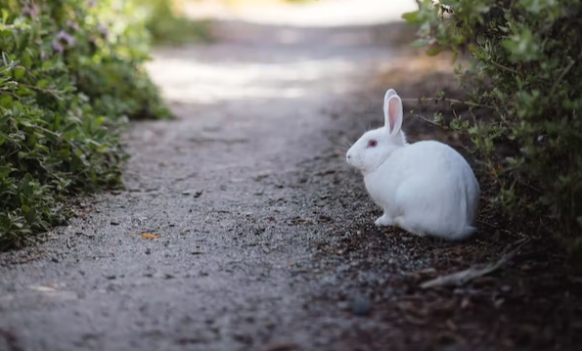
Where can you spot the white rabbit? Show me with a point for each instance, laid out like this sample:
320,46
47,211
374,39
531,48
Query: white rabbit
425,188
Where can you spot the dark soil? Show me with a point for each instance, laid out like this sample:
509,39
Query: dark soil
242,228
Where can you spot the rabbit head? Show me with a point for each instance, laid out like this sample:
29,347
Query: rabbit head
375,146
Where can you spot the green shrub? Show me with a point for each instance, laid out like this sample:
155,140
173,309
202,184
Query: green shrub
168,26
70,76
525,68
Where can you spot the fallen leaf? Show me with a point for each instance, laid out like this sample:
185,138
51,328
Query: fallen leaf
149,236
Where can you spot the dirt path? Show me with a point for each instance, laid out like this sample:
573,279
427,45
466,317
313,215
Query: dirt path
229,188
265,239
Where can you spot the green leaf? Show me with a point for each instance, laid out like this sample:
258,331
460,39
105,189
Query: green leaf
100,135
5,170
25,60
6,59
23,91
4,15
19,72
46,65
26,123
16,109
70,127
6,102
31,216
4,119
42,148
434,51
412,17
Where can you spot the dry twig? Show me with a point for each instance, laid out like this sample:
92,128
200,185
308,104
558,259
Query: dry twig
464,276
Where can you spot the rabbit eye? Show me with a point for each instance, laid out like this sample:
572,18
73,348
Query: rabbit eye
372,143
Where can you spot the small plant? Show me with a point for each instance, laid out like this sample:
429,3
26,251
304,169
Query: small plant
525,68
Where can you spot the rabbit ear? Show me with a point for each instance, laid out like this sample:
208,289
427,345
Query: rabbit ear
387,96
393,111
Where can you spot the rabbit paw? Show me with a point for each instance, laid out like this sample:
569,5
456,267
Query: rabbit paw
401,223
384,221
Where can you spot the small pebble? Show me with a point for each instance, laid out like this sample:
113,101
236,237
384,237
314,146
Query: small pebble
196,194
344,306
361,306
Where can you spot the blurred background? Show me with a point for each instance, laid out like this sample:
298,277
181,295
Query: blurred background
300,39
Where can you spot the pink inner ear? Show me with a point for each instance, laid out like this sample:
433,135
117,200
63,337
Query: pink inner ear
393,111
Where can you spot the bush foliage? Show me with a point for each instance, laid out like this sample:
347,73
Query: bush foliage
168,26
70,76
525,69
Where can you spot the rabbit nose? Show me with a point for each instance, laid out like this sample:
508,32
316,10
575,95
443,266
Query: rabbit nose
349,155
